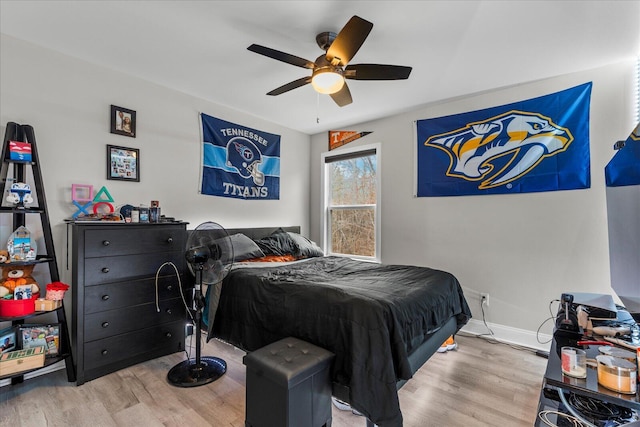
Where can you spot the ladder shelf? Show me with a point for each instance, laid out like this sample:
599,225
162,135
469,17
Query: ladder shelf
19,171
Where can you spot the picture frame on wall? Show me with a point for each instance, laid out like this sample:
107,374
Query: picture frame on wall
41,335
8,339
123,163
123,121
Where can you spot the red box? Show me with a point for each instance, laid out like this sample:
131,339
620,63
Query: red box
19,150
18,307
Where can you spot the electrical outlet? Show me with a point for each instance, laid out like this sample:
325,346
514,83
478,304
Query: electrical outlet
484,299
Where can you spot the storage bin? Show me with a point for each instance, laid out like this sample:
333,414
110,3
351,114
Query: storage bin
288,385
47,305
17,361
19,307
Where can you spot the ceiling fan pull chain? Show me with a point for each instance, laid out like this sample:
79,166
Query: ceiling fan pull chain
317,108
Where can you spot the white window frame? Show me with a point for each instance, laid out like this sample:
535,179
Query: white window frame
326,194
637,90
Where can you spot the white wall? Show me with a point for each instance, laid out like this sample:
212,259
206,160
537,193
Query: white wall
524,250
67,101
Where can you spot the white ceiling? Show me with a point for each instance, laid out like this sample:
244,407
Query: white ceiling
456,48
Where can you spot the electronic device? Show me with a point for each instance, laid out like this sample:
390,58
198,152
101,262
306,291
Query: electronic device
567,317
598,306
632,304
209,255
338,50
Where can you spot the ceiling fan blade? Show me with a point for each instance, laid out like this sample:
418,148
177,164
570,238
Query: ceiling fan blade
376,72
290,86
281,56
343,96
349,40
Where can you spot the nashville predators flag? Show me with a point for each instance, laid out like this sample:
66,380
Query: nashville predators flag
624,167
540,144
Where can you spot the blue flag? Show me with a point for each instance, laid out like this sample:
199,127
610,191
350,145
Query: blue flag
238,161
540,144
624,168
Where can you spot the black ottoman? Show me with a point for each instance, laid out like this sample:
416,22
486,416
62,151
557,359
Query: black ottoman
288,385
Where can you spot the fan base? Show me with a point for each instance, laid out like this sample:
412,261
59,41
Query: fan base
190,374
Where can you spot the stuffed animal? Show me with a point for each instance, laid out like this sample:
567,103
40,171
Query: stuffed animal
16,275
4,255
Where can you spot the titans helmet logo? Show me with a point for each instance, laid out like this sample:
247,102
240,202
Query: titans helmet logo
245,157
501,149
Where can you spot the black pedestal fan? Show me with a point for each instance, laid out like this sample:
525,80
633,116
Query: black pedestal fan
209,254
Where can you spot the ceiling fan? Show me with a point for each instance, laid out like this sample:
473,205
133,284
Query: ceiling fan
330,70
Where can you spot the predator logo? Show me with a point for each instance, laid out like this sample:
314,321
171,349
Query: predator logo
635,135
502,148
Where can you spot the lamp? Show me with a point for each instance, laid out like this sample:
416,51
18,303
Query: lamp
327,80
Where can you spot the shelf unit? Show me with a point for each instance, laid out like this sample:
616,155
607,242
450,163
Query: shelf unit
18,171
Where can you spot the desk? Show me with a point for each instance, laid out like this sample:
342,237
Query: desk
589,387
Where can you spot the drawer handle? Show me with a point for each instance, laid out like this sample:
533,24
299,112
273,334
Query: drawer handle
105,297
104,352
106,243
170,240
105,324
169,287
168,334
168,310
105,269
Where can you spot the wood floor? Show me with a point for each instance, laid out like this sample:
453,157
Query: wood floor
479,384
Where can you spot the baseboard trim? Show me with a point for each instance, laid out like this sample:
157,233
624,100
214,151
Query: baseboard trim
509,335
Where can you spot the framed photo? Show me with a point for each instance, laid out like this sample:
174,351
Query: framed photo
123,121
123,163
37,335
8,340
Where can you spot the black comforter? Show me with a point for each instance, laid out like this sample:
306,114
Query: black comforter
370,315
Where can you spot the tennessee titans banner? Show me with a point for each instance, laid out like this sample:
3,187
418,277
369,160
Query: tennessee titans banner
540,144
238,161
624,168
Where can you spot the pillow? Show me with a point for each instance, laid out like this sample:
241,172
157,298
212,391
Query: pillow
272,258
278,243
244,247
308,249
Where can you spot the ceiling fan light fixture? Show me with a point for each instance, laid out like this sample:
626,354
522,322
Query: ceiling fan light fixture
327,80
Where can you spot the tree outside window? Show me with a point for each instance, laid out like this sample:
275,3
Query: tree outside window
352,204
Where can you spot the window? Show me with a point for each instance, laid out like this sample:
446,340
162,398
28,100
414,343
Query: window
351,214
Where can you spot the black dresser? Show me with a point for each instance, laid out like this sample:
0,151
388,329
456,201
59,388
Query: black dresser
120,316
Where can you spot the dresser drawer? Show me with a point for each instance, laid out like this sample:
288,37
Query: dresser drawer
114,349
132,240
118,268
114,322
123,294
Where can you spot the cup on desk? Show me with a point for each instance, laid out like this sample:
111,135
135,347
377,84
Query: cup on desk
574,362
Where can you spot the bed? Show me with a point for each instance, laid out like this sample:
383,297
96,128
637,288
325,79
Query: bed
382,322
